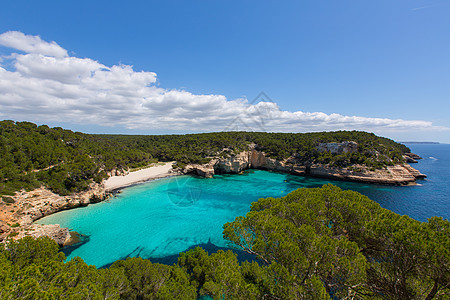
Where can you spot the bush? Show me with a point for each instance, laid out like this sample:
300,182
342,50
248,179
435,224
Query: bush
8,200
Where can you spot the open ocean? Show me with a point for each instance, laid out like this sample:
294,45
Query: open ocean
161,218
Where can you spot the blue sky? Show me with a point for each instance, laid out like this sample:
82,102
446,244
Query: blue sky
381,66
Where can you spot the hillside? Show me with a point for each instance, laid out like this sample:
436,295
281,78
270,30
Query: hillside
67,161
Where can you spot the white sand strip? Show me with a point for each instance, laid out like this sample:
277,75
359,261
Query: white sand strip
115,182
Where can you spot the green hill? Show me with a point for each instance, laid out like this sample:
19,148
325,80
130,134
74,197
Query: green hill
67,161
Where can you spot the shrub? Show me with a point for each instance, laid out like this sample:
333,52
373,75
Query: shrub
8,200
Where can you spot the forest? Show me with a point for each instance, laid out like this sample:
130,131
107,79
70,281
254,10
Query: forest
321,243
68,162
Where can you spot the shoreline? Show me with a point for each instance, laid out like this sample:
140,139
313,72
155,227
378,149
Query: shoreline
117,183
119,189
19,219
34,205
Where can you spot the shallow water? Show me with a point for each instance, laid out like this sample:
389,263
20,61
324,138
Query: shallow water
161,218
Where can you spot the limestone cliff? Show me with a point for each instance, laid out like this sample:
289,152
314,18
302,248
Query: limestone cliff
339,148
17,218
392,175
401,174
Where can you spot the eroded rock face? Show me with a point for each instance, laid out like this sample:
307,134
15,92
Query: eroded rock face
206,170
232,164
338,148
414,172
31,206
393,175
251,159
413,155
259,160
411,158
59,234
42,202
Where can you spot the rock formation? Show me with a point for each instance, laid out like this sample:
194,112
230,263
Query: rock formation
401,174
392,175
338,148
16,218
31,206
411,157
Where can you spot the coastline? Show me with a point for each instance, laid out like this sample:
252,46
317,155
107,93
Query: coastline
34,205
115,183
399,174
18,219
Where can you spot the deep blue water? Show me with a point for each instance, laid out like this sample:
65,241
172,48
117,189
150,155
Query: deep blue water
161,218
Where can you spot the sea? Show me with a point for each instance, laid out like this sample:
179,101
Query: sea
161,218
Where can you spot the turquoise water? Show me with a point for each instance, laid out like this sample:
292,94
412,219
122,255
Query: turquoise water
161,218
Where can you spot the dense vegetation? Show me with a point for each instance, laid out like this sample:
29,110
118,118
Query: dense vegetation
68,162
312,244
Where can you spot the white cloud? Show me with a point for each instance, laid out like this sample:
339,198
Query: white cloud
31,44
47,85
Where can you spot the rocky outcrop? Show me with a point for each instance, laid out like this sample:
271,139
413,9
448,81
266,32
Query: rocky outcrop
338,148
254,159
206,170
31,206
42,202
232,164
411,158
413,155
392,175
414,172
59,234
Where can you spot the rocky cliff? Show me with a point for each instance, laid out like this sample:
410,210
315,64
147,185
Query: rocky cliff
16,219
402,174
338,148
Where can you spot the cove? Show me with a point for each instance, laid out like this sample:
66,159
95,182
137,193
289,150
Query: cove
161,218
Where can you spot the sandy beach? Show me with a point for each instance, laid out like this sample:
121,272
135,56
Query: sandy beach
159,171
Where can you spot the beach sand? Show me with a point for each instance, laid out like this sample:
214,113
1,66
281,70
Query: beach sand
159,171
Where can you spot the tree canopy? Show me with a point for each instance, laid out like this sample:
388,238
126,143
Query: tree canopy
316,243
67,161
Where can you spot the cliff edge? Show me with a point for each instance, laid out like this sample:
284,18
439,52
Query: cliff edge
398,174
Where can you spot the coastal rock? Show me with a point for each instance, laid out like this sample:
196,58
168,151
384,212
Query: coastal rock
299,170
254,159
232,164
409,160
60,235
414,172
259,160
206,170
42,202
392,175
412,156
33,205
338,148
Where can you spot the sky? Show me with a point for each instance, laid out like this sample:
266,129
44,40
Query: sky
154,67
